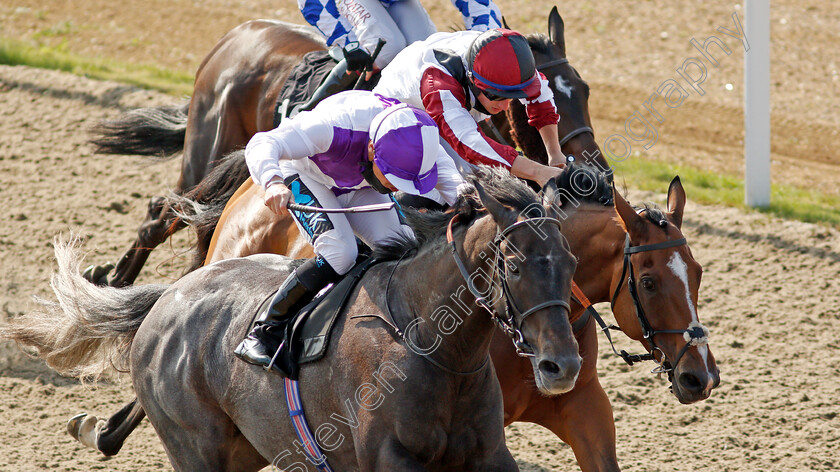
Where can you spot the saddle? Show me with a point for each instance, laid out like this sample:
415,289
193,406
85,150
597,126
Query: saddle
305,336
319,75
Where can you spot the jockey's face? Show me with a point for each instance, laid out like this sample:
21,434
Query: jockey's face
494,106
378,173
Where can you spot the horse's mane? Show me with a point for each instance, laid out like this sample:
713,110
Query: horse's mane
653,214
585,184
430,226
540,43
510,191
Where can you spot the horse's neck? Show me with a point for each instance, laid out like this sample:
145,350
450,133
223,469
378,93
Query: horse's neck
525,136
435,292
597,241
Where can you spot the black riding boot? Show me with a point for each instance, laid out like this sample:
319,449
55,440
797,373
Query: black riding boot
295,292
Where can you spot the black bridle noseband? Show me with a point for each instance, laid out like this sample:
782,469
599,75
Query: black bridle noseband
695,335
575,132
513,318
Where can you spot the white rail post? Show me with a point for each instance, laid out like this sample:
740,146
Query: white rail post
757,103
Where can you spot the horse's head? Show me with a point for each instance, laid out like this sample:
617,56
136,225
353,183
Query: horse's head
533,268
655,296
571,96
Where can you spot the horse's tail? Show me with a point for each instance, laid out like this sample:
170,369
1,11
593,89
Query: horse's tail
89,329
158,132
201,207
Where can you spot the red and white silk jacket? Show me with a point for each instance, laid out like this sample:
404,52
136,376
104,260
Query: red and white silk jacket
426,74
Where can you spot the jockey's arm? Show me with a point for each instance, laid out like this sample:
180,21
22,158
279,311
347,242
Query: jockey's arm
443,98
449,179
479,16
527,169
551,139
542,114
303,136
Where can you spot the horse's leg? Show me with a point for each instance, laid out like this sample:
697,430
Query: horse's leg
113,434
214,128
160,223
583,419
197,439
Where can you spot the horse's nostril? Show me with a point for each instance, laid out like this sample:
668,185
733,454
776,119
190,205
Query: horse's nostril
690,382
549,367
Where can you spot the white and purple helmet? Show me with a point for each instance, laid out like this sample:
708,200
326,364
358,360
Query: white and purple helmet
405,142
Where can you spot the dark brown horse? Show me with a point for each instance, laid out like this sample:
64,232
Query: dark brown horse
420,398
660,310
235,96
668,281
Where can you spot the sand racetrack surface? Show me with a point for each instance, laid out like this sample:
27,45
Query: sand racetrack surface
770,292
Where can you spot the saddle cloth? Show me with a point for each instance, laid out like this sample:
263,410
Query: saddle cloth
305,336
300,86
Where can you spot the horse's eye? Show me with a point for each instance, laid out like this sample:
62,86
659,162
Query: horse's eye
647,284
513,268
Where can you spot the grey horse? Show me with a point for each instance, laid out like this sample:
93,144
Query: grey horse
406,383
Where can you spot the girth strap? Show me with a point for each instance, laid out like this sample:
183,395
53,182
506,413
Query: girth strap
304,434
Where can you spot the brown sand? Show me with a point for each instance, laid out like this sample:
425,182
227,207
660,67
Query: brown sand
769,292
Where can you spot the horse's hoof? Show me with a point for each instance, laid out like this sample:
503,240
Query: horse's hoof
82,428
98,274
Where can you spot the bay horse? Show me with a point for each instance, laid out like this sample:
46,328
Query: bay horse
235,96
598,224
386,405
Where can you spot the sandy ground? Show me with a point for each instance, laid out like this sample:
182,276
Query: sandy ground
626,50
770,287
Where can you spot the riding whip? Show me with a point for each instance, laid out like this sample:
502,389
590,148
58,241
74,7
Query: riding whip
357,209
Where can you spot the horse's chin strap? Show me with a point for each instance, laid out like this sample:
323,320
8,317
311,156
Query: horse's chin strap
511,322
695,335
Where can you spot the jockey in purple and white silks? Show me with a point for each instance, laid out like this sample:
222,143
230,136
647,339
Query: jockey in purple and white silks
353,149
398,22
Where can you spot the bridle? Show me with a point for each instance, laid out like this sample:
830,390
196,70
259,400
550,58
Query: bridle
511,321
695,335
575,132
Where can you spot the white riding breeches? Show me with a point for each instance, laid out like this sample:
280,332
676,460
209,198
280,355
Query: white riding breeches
333,234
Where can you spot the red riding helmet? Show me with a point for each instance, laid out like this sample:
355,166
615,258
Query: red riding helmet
500,63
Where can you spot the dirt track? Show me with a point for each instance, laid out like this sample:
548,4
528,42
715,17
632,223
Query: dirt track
769,293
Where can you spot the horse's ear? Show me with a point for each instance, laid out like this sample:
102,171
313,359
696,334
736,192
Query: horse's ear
556,30
504,23
633,223
502,215
676,202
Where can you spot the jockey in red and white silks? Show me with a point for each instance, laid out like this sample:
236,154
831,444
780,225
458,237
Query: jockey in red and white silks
463,77
398,22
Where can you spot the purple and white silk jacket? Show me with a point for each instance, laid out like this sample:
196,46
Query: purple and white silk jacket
329,144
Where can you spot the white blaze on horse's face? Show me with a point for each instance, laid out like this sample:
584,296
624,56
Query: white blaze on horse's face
562,86
679,268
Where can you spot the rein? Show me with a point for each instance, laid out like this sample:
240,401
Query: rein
511,322
694,335
404,336
576,132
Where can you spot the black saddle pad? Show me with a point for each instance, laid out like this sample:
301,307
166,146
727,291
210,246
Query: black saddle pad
306,335
304,80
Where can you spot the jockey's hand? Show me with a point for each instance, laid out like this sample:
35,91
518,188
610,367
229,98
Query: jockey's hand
277,196
556,158
357,59
369,74
531,170
559,162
